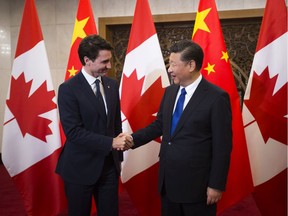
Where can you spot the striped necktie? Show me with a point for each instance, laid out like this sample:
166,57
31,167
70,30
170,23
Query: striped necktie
100,98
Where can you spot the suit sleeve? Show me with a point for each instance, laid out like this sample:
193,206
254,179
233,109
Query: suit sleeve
221,125
118,120
152,131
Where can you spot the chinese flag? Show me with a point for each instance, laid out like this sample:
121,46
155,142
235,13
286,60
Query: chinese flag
31,138
217,69
84,25
265,112
142,86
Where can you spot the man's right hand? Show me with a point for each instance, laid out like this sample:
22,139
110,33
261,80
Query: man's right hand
122,142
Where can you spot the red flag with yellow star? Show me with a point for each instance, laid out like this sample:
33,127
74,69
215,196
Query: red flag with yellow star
217,69
84,25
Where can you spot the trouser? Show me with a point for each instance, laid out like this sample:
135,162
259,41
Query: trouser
104,191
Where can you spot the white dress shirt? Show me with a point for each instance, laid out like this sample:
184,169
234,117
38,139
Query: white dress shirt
190,89
91,80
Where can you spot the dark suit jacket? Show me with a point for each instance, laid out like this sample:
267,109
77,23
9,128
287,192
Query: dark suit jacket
88,134
197,155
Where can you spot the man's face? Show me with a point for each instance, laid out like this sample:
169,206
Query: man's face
101,65
180,71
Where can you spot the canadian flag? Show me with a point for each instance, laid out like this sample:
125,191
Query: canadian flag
265,112
31,138
142,86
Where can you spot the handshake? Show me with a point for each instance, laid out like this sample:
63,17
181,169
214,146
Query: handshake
123,142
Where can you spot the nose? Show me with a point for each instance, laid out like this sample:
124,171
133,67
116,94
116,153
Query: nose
108,65
169,70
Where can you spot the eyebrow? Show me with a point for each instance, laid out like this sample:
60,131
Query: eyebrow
105,61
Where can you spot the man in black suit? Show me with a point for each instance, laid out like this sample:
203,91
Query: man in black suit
90,116
195,152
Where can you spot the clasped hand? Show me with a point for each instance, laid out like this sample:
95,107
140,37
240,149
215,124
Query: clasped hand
123,142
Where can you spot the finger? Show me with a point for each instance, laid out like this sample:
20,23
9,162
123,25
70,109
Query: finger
121,135
208,200
131,144
127,146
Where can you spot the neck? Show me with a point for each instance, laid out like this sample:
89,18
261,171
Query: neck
194,76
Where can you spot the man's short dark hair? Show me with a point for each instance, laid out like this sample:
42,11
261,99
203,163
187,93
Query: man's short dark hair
189,51
90,47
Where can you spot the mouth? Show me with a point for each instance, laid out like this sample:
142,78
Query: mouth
173,79
103,72
172,76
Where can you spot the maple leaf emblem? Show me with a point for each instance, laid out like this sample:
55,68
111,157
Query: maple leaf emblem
27,109
269,110
140,109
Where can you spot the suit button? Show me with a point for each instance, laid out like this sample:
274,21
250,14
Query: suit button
169,143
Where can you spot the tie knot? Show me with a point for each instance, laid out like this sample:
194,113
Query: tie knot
97,81
183,91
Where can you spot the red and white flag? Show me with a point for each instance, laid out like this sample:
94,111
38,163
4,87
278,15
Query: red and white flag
142,86
84,25
31,138
217,69
265,112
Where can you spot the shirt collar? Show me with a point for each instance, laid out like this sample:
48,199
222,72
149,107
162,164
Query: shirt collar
90,79
191,88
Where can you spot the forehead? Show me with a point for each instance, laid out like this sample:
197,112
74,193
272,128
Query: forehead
175,57
104,54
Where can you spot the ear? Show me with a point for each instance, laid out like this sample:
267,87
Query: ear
86,60
192,65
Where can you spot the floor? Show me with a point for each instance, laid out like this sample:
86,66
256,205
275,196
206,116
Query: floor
11,204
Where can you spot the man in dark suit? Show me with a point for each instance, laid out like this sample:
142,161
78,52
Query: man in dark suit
90,116
195,152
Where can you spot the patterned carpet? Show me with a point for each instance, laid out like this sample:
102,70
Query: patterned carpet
11,204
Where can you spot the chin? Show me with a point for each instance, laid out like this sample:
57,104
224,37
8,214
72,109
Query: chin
102,73
175,81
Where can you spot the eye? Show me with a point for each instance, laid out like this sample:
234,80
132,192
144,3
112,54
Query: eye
172,64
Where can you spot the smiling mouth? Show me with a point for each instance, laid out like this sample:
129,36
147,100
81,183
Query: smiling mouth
103,71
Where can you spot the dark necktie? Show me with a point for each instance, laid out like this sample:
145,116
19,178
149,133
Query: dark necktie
100,98
178,110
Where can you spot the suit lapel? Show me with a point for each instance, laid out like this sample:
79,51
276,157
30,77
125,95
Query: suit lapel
171,102
194,101
84,86
108,96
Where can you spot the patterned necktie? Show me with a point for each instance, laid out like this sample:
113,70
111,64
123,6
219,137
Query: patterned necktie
178,110
100,98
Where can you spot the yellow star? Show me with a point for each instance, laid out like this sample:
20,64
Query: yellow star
79,29
199,21
210,68
72,71
225,56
